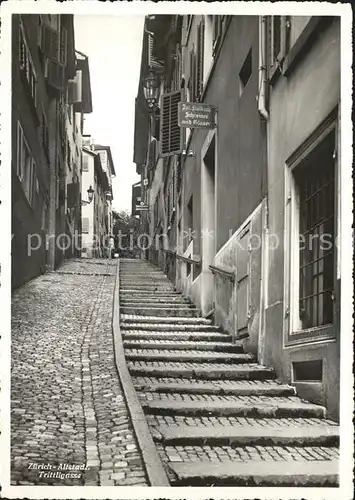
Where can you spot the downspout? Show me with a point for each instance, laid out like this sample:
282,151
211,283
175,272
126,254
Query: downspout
262,69
265,231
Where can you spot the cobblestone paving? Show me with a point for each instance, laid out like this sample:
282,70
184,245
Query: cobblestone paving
67,405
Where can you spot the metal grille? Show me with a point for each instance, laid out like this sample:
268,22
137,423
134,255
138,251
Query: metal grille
315,181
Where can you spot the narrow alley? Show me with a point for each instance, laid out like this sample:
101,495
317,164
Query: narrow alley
67,405
179,264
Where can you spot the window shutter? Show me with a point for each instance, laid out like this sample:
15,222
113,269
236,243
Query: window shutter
50,43
170,132
150,49
55,74
85,225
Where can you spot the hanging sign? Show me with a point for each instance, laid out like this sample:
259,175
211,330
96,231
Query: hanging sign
196,115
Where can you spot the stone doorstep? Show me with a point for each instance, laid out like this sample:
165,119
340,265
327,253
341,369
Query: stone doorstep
182,335
307,435
205,373
218,388
199,346
157,320
197,357
258,472
231,408
161,312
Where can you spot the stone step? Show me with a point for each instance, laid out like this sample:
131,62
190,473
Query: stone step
256,473
161,312
148,288
127,318
190,356
159,283
138,293
205,371
153,303
182,345
152,299
255,406
258,435
165,327
216,387
132,333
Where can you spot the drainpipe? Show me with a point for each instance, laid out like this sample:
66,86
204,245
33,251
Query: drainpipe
262,68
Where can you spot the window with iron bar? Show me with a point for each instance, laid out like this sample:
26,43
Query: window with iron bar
316,195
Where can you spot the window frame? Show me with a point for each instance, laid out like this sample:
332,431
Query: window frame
29,68
294,336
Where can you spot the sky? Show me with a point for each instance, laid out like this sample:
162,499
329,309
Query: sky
113,45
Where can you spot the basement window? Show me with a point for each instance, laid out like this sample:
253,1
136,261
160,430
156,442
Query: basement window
308,371
245,73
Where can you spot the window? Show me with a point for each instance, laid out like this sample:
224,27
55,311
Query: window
315,186
26,66
85,225
85,165
217,32
44,216
278,43
25,165
245,73
44,134
189,223
311,254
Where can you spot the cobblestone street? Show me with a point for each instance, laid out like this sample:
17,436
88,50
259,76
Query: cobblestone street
67,405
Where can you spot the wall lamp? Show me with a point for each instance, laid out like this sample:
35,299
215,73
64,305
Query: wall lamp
90,192
151,88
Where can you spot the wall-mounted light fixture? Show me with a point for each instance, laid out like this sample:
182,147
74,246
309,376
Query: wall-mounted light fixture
90,192
151,88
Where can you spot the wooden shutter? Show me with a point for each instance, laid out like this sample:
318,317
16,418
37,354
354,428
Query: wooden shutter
50,42
55,74
170,132
150,49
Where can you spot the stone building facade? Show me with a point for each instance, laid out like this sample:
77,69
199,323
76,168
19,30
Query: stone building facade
223,203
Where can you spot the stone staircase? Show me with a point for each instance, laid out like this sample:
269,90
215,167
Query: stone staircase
217,416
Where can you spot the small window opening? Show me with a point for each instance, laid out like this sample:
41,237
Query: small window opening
245,73
308,371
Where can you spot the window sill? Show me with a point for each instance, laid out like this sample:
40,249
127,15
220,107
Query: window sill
311,335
